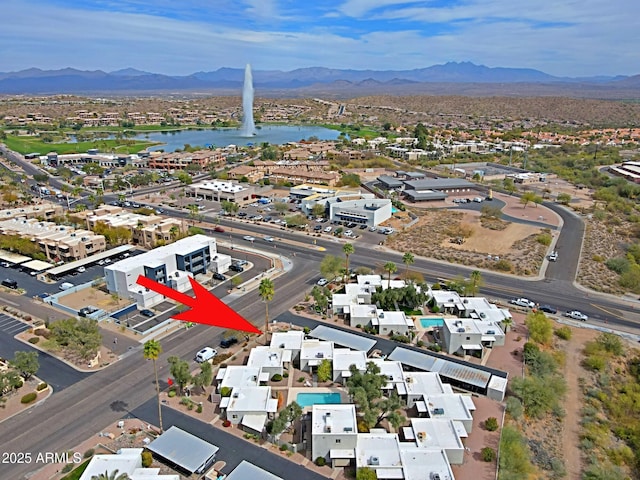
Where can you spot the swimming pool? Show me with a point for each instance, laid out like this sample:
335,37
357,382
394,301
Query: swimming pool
394,210
431,322
308,399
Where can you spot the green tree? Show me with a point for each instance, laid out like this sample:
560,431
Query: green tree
390,268
26,363
114,475
526,198
151,351
184,178
347,249
230,207
408,259
365,388
540,328
330,267
564,198
509,186
266,291
318,210
281,207
390,409
475,282
203,379
365,473
325,370
179,371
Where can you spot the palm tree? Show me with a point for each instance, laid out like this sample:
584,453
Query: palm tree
348,249
407,259
173,232
266,291
111,476
476,281
390,268
152,350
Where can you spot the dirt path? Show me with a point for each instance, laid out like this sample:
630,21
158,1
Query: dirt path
572,372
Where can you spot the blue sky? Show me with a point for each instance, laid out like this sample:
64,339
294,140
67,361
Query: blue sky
178,37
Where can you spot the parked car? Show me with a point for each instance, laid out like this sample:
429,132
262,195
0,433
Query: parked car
227,342
548,309
147,313
81,269
236,268
322,282
219,276
522,302
576,315
348,233
327,230
66,286
5,264
206,354
553,256
373,228
317,228
9,283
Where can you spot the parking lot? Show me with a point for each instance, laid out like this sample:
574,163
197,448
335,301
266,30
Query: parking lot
11,326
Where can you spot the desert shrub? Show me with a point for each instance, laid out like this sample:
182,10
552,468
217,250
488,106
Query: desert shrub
610,343
434,347
147,458
67,468
89,453
284,447
226,424
41,386
225,391
419,343
306,330
34,340
172,393
29,397
618,265
595,362
300,379
285,375
563,332
539,395
221,357
503,265
320,461
488,454
276,377
199,409
514,407
540,327
491,424
514,455
544,239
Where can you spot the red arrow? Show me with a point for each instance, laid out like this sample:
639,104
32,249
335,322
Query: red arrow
206,308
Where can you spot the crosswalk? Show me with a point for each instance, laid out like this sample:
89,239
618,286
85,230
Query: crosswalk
11,325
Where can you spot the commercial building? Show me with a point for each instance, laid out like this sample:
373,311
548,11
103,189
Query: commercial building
221,190
57,242
345,207
171,265
182,160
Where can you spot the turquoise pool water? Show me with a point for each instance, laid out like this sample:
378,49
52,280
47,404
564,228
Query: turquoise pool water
394,210
308,399
431,322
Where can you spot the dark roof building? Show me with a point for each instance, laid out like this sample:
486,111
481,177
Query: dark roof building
450,185
389,182
424,195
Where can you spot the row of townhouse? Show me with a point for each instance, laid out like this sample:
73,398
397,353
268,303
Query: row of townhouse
469,324
439,418
57,242
41,211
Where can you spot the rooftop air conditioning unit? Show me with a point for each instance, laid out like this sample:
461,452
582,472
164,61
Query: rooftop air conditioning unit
348,429
328,414
461,330
421,435
374,461
491,332
236,395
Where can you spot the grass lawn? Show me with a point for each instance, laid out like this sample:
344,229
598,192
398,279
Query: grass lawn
26,145
76,473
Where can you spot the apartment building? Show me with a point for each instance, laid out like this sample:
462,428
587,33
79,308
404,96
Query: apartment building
148,231
58,242
41,211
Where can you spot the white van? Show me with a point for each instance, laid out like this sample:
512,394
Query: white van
66,286
206,354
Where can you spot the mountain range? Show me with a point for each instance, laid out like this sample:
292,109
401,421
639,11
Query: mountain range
450,78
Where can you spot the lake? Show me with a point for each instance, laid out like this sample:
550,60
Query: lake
273,134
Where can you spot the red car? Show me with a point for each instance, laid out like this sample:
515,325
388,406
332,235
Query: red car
218,229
